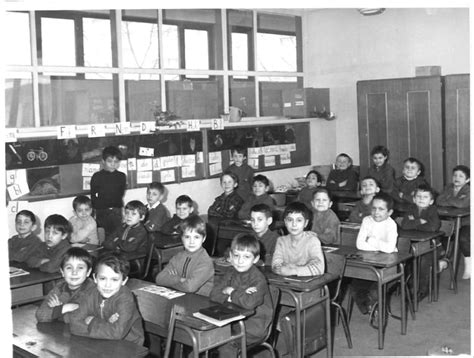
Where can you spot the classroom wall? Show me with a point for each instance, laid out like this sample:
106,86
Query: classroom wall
342,47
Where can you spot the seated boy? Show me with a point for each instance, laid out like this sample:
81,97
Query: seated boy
260,219
343,177
84,227
157,214
457,194
369,187
242,170
325,221
132,235
247,287
313,180
184,209
298,253
260,188
50,253
228,204
109,311
412,177
76,267
381,170
191,270
378,232
23,245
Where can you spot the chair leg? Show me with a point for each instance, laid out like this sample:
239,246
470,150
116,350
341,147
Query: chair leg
342,314
350,306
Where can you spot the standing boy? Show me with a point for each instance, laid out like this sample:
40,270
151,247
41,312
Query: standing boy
260,219
243,171
325,221
412,177
247,287
157,214
184,209
23,245
191,270
107,190
84,227
109,310
369,187
260,187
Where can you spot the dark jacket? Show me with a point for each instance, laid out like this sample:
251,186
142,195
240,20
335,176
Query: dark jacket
245,175
244,212
337,176
156,217
107,189
128,239
430,214
54,254
226,206
385,176
403,189
22,249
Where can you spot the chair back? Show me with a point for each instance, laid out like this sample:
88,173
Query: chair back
279,198
403,244
348,236
275,295
335,264
447,227
149,256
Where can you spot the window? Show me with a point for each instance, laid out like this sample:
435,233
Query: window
196,49
140,44
58,42
97,42
18,39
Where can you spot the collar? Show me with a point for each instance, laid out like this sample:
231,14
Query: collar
154,205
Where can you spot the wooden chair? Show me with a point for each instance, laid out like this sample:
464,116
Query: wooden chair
176,312
143,264
447,227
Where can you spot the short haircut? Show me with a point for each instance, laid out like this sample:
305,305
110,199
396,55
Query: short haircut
425,188
232,175
421,167
318,175
28,214
194,223
156,185
184,199
262,208
111,152
344,155
79,254
323,190
262,179
136,205
297,207
368,177
59,223
239,149
380,149
81,200
386,198
116,262
463,168
246,242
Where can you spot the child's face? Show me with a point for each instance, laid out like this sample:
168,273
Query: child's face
342,163
259,188
153,196
321,201
108,281
242,260
111,164
83,211
411,170
260,222
460,179
53,236
369,187
295,223
379,159
24,226
380,211
75,272
238,158
192,240
228,184
312,180
423,199
183,210
132,217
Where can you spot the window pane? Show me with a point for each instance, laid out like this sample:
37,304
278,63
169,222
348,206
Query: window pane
76,101
242,95
196,51
143,96
271,89
170,46
19,100
57,42
240,54
18,39
97,44
240,30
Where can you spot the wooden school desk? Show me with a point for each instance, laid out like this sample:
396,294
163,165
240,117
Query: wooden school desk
191,331
454,214
226,231
53,339
31,287
166,246
381,268
302,295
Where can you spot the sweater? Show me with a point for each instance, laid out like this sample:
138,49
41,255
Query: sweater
267,246
306,196
156,217
412,219
326,226
385,176
404,189
245,175
225,206
107,189
256,325
128,326
195,272
23,249
128,239
171,226
55,255
360,211
306,254
244,212
461,199
377,235
44,313
84,230
337,176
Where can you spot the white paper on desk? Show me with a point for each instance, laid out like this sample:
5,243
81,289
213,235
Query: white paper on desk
216,322
215,157
329,249
144,164
167,176
15,271
215,168
285,158
162,291
269,160
144,177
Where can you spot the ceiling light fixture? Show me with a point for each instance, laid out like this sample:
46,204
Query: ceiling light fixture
371,11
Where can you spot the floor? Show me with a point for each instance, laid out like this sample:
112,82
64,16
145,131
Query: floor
446,322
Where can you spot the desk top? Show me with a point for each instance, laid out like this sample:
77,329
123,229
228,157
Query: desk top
452,212
35,276
164,241
303,284
419,236
345,194
54,339
369,258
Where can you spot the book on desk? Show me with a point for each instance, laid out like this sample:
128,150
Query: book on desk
16,271
218,315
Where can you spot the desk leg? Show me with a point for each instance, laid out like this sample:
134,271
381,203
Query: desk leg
435,271
328,322
456,251
381,308
416,283
403,312
243,340
299,339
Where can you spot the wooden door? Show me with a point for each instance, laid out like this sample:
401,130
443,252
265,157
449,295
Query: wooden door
403,114
456,124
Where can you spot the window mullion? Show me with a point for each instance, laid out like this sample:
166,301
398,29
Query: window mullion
117,60
34,63
254,34
161,60
225,63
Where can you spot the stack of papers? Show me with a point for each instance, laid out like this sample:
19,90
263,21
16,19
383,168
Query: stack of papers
15,271
162,291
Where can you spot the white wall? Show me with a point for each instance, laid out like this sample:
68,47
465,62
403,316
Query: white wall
342,47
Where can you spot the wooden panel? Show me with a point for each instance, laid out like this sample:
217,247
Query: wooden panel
377,119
